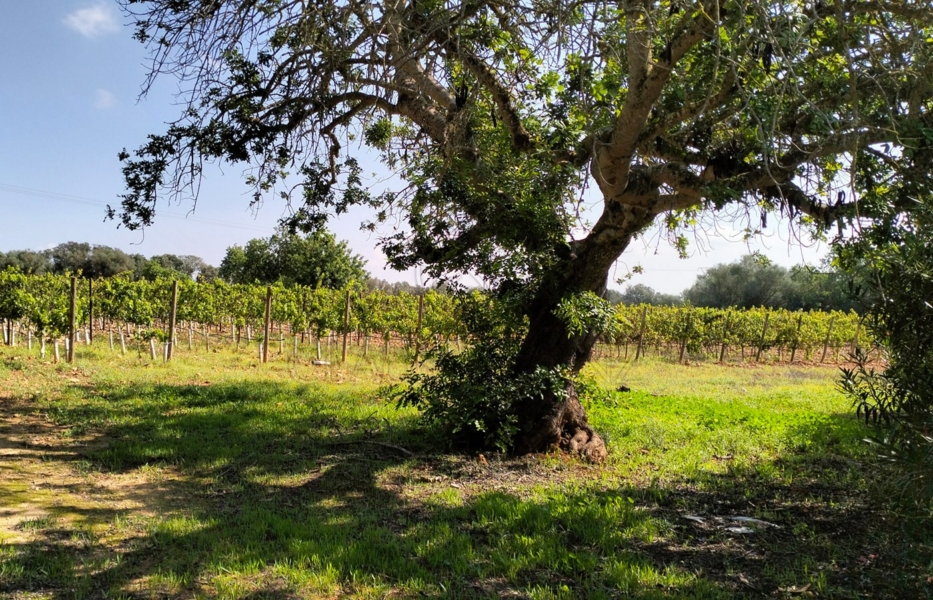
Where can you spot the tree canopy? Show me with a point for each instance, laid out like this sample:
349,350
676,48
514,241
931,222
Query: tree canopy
747,283
94,260
315,259
640,293
755,281
504,118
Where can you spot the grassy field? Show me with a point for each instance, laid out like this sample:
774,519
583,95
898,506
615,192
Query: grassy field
219,477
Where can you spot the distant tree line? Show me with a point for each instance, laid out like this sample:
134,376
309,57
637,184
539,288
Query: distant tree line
754,281
314,260
94,261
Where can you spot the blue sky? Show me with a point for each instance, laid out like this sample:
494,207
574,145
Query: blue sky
70,77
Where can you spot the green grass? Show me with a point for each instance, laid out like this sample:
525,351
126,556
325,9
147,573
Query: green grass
219,477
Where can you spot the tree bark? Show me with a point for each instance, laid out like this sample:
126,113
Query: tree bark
559,421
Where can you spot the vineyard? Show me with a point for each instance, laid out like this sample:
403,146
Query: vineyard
322,323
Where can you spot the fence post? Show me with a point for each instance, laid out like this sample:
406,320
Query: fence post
641,334
346,328
683,342
722,348
829,332
793,350
761,343
72,316
172,315
265,328
90,311
418,329
858,327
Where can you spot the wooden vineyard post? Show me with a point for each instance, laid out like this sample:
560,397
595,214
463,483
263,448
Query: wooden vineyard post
72,315
858,327
346,328
722,348
761,342
683,342
418,329
641,333
793,348
90,311
170,349
829,332
265,328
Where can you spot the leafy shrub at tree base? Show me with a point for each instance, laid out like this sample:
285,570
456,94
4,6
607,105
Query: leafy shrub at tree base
481,398
472,396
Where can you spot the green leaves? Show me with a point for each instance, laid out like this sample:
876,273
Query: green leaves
587,313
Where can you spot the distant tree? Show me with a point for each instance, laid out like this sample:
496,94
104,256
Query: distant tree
394,287
154,269
643,294
172,263
91,260
27,261
752,281
823,288
105,261
207,273
314,259
234,264
249,264
186,265
139,263
70,257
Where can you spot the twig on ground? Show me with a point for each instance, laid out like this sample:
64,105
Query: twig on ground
383,444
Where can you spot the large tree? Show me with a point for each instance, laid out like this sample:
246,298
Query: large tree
504,118
315,259
749,282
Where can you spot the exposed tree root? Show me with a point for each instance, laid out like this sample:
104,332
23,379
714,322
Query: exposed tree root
564,427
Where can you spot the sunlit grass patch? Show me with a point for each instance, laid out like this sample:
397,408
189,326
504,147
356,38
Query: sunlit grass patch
228,479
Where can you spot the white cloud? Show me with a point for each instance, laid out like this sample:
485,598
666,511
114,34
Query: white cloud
93,21
104,99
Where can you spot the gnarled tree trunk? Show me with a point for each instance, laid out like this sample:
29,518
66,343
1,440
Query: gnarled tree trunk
560,421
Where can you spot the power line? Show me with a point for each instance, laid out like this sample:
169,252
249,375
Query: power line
47,195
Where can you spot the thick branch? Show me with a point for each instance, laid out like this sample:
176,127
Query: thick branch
501,95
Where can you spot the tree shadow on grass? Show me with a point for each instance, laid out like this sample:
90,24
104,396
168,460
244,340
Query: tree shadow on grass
281,491
833,526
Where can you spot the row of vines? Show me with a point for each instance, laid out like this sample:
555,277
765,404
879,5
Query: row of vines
41,306
751,333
